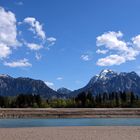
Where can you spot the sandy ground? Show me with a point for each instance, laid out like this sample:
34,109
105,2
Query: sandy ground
71,133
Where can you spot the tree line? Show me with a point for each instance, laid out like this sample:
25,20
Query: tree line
82,100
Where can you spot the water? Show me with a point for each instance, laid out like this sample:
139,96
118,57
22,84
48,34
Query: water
15,123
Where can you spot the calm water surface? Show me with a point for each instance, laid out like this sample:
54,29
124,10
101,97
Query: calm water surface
14,123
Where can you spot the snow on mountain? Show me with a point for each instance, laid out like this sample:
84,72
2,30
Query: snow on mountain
110,81
106,74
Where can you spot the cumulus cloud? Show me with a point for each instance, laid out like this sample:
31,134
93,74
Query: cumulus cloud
8,32
49,84
120,50
36,27
111,40
111,60
136,41
20,63
59,78
4,51
101,51
51,41
34,46
85,57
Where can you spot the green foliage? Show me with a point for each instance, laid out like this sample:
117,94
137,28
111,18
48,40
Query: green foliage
21,101
83,100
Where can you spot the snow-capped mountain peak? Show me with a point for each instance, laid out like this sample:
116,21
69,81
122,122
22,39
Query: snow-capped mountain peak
106,74
109,81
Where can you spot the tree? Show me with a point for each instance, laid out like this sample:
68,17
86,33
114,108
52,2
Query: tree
82,98
132,98
117,99
105,97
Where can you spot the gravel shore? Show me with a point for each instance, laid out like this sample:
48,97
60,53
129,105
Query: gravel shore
72,133
69,113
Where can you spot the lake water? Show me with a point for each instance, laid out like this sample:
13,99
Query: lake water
14,123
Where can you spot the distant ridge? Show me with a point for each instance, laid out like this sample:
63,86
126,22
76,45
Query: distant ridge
107,81
64,91
10,86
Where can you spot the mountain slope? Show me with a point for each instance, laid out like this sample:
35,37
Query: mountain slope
107,81
64,91
10,86
110,81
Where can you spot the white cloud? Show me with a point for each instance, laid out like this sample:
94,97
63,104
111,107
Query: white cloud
120,50
130,54
8,32
38,56
51,41
111,40
20,63
136,41
36,27
101,51
34,46
85,57
4,51
49,84
59,78
111,60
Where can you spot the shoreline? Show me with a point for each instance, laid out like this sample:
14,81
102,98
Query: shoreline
72,133
69,113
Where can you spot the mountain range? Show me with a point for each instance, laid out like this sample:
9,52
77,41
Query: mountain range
110,81
10,86
107,81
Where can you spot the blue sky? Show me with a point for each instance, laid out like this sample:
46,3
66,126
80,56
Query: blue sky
66,42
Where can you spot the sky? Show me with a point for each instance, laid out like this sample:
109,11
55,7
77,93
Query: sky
66,42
